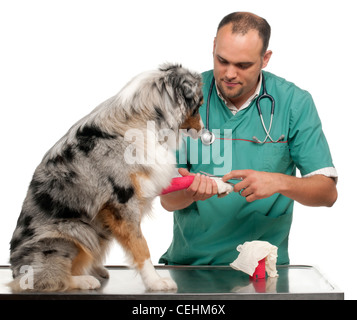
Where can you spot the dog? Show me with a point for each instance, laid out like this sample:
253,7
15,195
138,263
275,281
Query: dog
84,194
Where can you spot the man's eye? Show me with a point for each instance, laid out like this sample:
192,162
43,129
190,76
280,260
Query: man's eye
243,66
222,61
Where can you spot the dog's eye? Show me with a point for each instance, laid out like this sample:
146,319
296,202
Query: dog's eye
195,112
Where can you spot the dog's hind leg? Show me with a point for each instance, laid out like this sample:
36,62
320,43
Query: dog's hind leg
97,269
80,264
83,282
48,266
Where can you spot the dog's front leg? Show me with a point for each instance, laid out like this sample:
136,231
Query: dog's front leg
135,244
152,281
129,235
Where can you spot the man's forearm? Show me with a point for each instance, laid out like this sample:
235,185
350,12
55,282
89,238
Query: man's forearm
317,190
175,201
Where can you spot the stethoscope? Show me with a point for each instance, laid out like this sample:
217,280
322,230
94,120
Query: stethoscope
208,137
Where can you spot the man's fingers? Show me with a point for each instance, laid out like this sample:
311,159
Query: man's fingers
184,172
241,186
234,174
202,188
195,184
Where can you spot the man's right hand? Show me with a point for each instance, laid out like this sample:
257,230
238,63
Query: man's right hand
201,188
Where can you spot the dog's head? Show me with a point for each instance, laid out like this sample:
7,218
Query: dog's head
182,88
169,96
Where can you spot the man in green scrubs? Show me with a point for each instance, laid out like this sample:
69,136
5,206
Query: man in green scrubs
207,229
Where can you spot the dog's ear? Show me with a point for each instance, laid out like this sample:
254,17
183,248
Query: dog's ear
192,93
184,85
168,81
188,90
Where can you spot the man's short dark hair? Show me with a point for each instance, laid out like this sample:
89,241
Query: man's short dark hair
242,22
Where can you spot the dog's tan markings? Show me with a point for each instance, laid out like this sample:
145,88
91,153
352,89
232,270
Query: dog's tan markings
134,177
81,261
84,257
135,180
192,123
128,234
134,242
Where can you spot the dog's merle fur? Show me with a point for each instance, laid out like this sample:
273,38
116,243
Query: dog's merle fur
83,194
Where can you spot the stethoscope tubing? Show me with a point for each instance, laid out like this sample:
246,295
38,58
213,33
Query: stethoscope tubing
208,137
208,102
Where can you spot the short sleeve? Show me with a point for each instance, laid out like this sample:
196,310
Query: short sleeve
308,145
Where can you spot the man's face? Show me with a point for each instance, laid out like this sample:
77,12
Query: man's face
237,63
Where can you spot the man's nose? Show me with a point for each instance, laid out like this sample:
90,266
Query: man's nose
231,73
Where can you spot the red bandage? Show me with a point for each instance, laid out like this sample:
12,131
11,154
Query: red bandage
178,183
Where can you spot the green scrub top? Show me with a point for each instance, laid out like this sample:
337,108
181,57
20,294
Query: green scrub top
208,232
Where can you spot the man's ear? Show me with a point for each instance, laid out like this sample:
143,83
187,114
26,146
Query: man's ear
266,58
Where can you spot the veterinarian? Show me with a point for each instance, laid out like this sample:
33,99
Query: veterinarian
207,229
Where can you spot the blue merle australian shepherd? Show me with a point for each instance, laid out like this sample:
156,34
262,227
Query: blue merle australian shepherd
84,193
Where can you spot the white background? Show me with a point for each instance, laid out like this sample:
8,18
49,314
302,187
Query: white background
60,59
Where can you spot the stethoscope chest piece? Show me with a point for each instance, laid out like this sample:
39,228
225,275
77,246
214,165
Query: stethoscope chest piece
207,137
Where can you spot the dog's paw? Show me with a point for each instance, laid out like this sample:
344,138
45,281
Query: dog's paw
162,284
100,271
84,282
